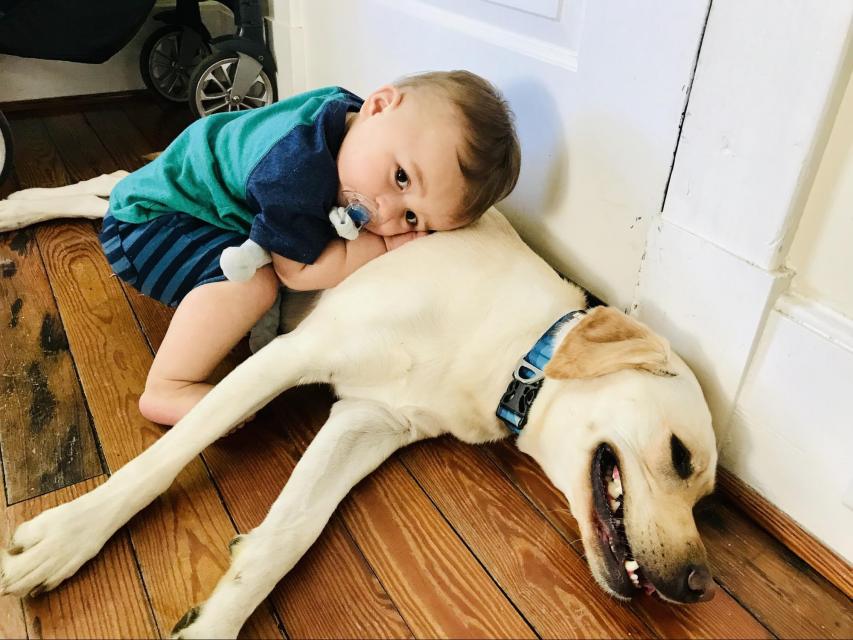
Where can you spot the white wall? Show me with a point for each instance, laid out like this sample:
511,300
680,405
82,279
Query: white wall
821,253
776,371
597,92
32,79
792,429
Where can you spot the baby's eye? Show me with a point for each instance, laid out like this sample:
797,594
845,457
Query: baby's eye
411,218
402,178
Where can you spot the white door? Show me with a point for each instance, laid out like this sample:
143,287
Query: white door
598,88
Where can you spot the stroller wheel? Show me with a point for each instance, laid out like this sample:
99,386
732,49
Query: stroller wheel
5,148
159,63
230,81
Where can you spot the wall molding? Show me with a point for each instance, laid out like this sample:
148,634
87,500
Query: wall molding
817,318
548,53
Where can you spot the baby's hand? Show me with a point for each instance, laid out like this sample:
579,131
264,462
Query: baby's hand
393,242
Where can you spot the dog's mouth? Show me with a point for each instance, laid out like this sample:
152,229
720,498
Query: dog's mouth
624,574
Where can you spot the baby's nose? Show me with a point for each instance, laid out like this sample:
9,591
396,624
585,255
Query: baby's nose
392,216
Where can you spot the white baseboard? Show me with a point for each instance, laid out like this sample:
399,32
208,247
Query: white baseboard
791,436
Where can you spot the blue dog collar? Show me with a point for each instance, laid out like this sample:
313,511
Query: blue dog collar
527,378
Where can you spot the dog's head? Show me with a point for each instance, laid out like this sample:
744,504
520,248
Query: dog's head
622,429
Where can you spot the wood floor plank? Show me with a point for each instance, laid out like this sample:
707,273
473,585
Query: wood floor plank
722,617
105,599
37,163
438,586
153,316
775,585
81,151
549,584
47,437
125,142
12,621
159,123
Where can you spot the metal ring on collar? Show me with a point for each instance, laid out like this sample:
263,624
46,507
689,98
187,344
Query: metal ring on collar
538,374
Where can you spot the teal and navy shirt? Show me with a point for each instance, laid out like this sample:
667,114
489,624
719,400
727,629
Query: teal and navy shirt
270,173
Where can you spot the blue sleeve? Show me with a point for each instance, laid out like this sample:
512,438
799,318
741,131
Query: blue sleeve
295,185
299,237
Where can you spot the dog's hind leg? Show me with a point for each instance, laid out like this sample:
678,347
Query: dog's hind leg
100,186
358,436
52,546
15,214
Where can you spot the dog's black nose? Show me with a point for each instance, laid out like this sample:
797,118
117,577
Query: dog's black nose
700,584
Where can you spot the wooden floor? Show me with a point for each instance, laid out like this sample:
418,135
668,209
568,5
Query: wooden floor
444,540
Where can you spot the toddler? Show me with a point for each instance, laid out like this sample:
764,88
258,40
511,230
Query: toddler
431,152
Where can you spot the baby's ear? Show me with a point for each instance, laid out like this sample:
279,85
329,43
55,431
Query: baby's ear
607,340
386,96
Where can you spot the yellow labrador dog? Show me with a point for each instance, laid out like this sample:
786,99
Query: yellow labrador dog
419,343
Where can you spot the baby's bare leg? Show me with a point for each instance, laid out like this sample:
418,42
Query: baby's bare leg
207,324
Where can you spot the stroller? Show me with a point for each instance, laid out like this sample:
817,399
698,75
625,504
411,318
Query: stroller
180,61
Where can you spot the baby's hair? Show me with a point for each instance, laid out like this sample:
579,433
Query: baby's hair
490,158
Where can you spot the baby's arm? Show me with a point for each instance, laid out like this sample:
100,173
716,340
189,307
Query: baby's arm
339,259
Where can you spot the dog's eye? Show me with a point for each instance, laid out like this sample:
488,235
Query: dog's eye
680,457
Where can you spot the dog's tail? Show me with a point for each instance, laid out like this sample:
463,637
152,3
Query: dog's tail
85,199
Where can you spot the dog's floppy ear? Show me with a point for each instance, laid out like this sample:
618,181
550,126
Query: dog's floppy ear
607,340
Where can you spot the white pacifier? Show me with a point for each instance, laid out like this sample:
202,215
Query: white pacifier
349,220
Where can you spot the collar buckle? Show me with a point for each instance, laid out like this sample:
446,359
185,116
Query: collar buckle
527,378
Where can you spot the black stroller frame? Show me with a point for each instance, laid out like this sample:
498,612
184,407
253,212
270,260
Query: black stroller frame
180,61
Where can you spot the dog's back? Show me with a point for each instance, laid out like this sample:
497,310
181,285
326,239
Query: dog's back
452,314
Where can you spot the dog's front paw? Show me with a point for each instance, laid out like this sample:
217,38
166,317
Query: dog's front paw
99,186
14,215
48,549
200,622
36,193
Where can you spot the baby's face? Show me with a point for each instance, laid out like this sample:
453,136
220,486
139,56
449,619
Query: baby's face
401,152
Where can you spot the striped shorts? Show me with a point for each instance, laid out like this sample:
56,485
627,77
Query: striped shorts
167,257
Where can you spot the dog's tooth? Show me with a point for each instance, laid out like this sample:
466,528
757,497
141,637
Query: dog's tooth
614,505
631,565
614,488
